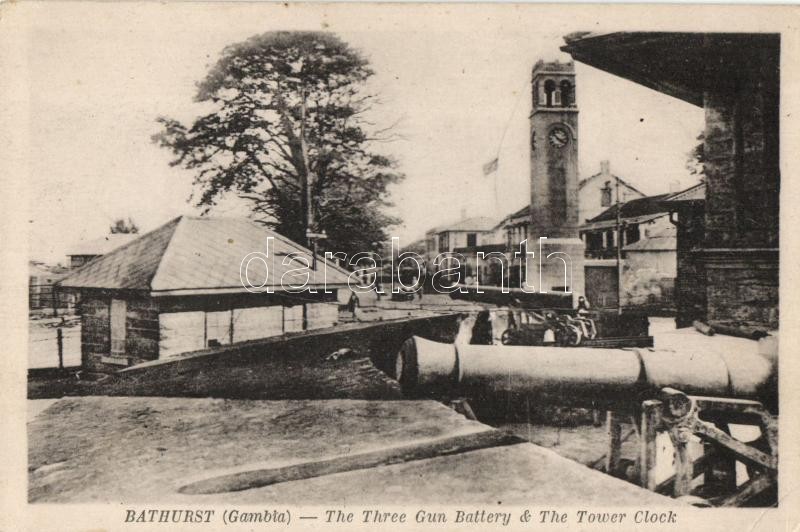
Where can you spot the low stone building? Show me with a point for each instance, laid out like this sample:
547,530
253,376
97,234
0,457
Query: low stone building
180,288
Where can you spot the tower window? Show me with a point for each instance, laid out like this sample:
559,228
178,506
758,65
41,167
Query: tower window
566,94
549,90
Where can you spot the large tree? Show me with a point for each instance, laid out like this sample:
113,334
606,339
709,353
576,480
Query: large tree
288,132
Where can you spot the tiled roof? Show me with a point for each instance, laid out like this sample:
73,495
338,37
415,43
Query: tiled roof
101,246
202,255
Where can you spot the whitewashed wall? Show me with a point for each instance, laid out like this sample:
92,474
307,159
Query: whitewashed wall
182,332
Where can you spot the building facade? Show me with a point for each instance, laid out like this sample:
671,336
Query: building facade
467,233
598,192
179,289
648,256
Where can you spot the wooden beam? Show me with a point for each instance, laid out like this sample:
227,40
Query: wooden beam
742,451
651,420
747,491
393,455
698,467
684,471
614,432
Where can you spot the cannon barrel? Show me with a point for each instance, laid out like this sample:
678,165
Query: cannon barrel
583,375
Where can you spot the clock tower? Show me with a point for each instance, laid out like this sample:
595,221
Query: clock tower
554,181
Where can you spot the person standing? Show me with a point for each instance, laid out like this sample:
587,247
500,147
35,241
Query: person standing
352,303
583,305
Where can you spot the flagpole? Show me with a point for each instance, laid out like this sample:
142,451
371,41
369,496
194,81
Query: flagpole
496,201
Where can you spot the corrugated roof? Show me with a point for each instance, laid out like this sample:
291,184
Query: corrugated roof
633,208
694,193
608,224
203,255
103,245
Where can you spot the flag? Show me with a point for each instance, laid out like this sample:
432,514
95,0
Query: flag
491,166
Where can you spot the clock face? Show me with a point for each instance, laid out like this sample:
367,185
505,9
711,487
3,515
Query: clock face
558,137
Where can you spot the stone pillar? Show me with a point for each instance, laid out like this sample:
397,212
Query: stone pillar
740,250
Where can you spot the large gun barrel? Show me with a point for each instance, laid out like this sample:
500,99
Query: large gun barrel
584,375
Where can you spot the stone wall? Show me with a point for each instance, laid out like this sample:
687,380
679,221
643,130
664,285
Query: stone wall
246,370
648,281
95,329
141,330
742,287
740,254
601,283
742,176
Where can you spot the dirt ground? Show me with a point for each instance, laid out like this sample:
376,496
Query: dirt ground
144,449
585,444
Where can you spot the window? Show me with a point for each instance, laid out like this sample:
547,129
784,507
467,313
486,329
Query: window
632,234
594,241
117,319
605,195
566,94
549,89
472,240
443,242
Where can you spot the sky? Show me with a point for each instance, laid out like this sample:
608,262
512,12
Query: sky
99,77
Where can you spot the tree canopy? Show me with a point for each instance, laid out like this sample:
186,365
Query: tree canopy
697,158
121,225
287,128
